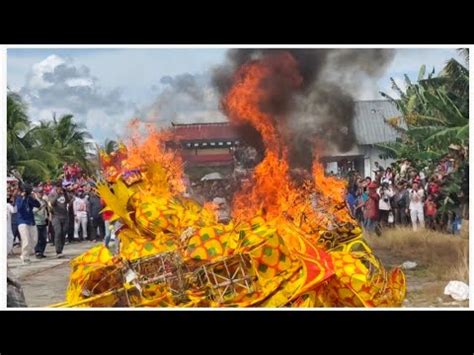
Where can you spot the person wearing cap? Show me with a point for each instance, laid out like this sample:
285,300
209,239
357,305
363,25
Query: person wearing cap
26,221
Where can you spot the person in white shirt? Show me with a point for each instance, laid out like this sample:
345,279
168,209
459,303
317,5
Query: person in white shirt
416,195
11,208
386,193
80,214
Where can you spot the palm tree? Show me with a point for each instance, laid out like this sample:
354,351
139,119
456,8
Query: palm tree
17,125
67,140
110,146
20,155
38,151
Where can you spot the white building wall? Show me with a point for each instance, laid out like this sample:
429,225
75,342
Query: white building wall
371,156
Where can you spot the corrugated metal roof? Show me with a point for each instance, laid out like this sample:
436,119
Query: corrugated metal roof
369,125
369,121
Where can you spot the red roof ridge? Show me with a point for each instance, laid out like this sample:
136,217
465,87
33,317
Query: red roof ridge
223,123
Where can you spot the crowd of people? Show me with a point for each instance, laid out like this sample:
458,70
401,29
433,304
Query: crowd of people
68,211
400,195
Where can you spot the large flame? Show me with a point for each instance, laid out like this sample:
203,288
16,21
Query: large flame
149,149
244,100
271,192
293,233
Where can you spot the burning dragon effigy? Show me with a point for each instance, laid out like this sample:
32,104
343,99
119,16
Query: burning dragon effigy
289,244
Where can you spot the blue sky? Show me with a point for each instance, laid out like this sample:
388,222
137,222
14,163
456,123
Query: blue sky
104,88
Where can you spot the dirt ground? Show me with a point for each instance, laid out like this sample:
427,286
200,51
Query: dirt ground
439,257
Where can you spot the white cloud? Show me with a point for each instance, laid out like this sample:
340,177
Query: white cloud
184,98
80,82
58,85
35,79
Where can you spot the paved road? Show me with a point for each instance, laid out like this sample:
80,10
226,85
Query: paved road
45,281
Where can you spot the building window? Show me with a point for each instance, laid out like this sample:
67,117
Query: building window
221,143
213,143
204,144
196,144
229,143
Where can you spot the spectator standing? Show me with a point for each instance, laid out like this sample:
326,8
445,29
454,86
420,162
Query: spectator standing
11,209
41,221
359,205
14,224
376,169
351,201
401,202
372,207
70,216
430,212
388,176
59,201
95,216
26,222
386,193
80,207
416,206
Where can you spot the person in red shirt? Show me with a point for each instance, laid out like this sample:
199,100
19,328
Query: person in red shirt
433,186
430,212
372,207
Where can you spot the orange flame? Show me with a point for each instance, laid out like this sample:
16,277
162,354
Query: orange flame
244,99
272,193
145,150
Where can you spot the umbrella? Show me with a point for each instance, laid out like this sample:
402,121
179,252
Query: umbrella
212,176
11,179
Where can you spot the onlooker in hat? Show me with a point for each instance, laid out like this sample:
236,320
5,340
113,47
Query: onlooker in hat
59,201
26,222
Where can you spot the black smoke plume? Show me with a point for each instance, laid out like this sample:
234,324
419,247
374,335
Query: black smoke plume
321,107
